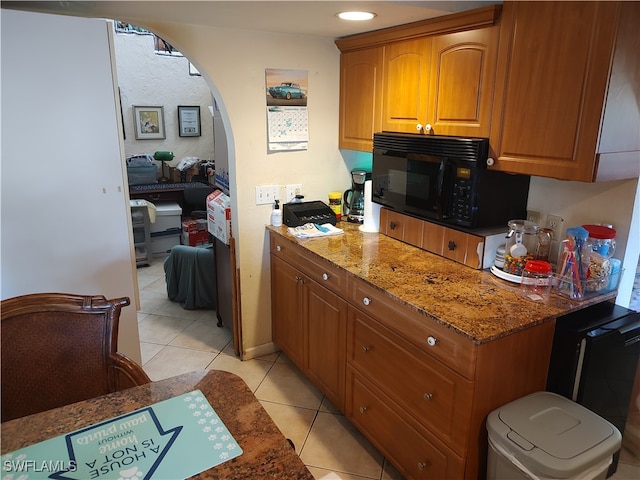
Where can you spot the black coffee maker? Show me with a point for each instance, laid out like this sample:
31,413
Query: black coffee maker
354,197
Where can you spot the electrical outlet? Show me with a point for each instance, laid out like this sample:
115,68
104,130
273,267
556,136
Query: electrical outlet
293,190
534,216
267,194
555,223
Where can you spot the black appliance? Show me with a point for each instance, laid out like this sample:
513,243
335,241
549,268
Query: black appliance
594,360
354,197
445,178
298,213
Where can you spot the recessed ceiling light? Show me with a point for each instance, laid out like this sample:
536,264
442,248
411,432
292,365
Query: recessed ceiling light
356,15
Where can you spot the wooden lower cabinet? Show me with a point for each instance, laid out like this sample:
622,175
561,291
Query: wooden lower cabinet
324,333
433,394
415,454
286,328
416,388
309,323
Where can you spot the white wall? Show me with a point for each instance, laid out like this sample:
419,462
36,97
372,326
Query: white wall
65,214
148,79
580,203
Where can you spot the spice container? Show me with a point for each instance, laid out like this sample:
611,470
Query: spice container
335,203
536,280
522,241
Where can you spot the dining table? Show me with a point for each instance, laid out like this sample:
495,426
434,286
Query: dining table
265,452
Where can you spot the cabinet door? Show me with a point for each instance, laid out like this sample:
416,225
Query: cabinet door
553,67
462,79
360,98
325,341
406,85
286,307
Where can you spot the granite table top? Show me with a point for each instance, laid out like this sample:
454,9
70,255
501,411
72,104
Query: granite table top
474,303
266,452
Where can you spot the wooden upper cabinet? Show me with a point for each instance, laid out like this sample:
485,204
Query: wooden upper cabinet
406,85
462,76
360,98
437,71
554,69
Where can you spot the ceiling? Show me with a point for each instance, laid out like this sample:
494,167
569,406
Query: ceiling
290,16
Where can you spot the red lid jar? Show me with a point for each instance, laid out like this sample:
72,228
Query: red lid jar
602,240
536,280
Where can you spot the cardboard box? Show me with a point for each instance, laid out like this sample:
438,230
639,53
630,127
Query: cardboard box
219,216
194,225
187,176
195,239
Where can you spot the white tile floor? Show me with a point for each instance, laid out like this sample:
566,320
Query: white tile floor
174,341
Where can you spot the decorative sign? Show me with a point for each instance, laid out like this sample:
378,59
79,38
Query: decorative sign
176,438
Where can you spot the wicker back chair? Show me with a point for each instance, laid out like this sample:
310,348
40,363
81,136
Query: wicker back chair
58,349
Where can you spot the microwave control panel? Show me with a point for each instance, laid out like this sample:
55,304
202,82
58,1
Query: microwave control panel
461,196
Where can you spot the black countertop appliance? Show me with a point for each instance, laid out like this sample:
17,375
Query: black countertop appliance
594,360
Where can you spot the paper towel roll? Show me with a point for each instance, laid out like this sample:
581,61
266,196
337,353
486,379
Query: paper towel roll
371,211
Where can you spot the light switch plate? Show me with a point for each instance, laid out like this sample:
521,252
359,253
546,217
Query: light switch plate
267,194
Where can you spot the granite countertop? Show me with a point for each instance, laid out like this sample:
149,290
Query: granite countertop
474,303
266,452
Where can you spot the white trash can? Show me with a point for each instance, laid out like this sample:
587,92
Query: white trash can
547,436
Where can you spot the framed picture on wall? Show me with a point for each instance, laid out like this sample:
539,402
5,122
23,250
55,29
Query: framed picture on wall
148,122
188,121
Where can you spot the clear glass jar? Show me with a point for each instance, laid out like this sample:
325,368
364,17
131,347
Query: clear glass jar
522,241
602,240
536,280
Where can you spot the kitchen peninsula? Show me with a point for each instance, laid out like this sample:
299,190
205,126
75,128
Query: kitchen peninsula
414,348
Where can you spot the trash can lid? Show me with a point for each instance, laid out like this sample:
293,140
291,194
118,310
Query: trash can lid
555,424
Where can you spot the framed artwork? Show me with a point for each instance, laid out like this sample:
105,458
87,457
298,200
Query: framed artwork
148,122
188,121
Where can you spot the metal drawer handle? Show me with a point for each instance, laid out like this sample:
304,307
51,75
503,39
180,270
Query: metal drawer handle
428,396
363,409
278,248
451,245
393,225
432,341
422,465
366,300
365,349
325,276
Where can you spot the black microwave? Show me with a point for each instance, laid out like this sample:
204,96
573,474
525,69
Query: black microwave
445,178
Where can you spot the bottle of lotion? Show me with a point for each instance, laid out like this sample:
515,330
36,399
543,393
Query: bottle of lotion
276,215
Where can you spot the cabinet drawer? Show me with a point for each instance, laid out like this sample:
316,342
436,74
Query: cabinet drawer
464,248
434,395
401,227
452,349
323,272
415,455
